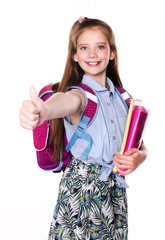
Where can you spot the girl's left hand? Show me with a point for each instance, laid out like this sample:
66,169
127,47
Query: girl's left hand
130,160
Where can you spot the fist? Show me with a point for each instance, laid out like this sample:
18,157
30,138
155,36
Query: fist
33,112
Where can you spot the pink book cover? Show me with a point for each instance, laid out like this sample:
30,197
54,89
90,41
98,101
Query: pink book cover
138,121
136,127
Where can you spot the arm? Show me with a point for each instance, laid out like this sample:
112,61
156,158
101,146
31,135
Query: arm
63,104
34,112
130,160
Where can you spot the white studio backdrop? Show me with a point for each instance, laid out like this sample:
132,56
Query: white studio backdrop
33,49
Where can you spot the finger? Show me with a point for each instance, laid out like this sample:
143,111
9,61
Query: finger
28,124
25,126
36,100
34,96
119,157
122,166
29,106
127,161
131,151
29,113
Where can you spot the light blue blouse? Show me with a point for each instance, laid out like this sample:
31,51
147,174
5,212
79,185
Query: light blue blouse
106,131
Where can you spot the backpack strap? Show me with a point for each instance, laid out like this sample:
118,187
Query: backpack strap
86,119
124,96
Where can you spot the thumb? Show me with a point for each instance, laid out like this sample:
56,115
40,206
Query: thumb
40,108
34,96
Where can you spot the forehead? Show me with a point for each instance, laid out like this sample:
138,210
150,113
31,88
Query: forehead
90,35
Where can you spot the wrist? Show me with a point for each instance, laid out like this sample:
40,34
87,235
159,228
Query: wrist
144,152
46,114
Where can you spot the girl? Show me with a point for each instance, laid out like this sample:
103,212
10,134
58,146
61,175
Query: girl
90,203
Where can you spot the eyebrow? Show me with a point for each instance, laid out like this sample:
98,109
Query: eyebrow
82,44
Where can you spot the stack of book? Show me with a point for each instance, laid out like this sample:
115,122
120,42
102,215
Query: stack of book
136,120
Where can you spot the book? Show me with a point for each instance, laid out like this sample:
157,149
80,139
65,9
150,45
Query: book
136,120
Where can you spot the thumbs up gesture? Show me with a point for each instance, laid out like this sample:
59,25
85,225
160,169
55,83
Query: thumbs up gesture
33,112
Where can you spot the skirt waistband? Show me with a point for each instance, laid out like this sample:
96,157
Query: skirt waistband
86,170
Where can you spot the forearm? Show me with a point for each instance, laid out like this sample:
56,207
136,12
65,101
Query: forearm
144,152
62,104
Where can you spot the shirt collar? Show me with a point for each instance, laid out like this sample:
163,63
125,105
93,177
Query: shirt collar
97,86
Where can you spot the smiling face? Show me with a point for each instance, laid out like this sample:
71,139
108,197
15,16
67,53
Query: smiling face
93,54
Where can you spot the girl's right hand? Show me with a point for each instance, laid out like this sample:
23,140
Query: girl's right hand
33,112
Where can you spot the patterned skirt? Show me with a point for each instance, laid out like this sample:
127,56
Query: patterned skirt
88,208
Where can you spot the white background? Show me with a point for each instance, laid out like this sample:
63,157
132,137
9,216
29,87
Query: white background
33,48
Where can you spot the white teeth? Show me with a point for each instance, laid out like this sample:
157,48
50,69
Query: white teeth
92,63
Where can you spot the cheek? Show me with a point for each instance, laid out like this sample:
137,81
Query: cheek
81,56
105,55
81,61
79,53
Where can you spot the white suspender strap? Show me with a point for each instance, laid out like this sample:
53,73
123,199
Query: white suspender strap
125,95
91,96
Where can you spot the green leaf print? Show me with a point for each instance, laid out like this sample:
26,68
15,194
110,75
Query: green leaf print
87,208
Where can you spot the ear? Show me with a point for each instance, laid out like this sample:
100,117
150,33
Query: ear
112,55
75,58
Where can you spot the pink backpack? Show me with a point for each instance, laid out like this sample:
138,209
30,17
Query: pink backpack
42,133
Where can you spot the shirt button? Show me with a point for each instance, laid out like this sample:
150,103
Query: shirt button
112,121
108,104
113,137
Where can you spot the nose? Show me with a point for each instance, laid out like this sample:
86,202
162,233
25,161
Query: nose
92,53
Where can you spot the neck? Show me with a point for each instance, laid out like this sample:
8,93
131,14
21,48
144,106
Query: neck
100,79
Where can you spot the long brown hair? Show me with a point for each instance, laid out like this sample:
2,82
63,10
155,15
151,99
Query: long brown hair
73,73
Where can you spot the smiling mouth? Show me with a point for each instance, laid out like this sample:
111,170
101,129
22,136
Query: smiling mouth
93,63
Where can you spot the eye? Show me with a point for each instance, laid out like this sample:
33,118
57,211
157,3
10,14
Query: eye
101,47
83,48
